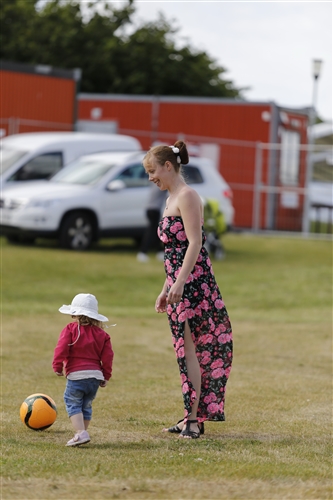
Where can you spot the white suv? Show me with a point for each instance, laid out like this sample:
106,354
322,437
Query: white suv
99,195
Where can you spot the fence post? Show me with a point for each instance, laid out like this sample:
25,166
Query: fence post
11,126
257,189
308,179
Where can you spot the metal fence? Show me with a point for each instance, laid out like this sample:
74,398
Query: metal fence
14,125
285,192
276,187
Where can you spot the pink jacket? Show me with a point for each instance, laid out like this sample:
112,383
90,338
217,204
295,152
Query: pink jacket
92,351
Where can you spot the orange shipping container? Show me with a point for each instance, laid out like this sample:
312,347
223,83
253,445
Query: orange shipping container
236,128
36,98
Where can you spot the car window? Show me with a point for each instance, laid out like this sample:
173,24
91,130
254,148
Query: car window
9,157
40,167
85,170
192,174
134,176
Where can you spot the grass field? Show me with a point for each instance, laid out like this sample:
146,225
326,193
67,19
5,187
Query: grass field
276,442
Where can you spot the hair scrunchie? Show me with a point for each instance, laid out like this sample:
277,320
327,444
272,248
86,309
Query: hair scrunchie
176,151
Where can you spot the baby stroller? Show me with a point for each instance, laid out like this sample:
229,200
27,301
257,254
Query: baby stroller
214,226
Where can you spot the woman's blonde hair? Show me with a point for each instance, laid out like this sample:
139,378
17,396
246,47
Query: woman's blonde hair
165,153
85,320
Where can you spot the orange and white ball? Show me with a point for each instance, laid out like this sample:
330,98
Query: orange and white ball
38,411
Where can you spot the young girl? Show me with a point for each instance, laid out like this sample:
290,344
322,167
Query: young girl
85,352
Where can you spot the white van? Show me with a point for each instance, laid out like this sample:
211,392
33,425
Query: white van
39,155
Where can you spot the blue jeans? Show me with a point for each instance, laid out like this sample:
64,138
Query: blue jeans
79,395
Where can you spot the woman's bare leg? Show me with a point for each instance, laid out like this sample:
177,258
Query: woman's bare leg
193,371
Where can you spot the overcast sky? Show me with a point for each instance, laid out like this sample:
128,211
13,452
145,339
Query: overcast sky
265,45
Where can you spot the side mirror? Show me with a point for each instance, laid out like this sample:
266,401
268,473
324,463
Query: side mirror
116,185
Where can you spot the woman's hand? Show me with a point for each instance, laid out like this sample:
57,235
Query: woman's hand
175,293
161,302
103,383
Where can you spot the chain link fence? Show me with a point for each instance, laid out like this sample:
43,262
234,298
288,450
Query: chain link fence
10,126
276,187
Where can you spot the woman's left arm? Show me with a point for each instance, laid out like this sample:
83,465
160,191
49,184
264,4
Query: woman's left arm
190,206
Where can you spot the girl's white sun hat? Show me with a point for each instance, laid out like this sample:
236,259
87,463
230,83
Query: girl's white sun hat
84,304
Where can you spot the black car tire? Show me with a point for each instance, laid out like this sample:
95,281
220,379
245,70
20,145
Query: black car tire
77,231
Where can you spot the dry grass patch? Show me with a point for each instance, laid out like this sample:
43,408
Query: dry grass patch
147,489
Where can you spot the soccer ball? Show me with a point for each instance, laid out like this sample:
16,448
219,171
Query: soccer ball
38,412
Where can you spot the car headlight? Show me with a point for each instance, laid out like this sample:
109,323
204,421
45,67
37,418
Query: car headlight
13,203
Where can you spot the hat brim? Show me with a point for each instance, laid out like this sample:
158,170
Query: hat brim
81,311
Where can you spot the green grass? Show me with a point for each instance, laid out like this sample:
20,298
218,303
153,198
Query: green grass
276,442
321,227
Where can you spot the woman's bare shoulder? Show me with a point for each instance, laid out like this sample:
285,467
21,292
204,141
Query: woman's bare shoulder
189,195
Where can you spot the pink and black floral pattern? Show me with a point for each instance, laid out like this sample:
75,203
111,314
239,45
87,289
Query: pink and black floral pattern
202,306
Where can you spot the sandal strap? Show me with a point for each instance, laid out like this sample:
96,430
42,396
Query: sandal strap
201,425
187,431
175,429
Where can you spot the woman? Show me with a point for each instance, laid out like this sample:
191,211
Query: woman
199,322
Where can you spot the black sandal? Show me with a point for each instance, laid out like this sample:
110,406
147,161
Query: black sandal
175,429
187,431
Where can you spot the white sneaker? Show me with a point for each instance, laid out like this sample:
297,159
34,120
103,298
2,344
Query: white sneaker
79,438
142,257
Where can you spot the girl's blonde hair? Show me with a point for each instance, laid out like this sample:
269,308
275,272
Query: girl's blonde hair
85,320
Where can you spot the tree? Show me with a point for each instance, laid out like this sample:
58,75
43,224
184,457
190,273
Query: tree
60,34
153,65
17,21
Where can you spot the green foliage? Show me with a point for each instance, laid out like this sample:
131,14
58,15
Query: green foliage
276,441
15,41
147,61
152,64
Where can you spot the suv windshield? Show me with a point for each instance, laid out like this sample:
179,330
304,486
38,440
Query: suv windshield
9,157
83,171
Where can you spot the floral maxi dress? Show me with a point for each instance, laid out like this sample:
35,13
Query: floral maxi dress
204,310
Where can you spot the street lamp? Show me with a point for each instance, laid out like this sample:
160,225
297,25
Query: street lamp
316,68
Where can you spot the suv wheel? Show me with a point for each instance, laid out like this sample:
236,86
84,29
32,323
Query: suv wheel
77,231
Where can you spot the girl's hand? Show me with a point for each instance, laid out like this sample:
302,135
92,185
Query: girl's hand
103,383
60,374
161,302
175,293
